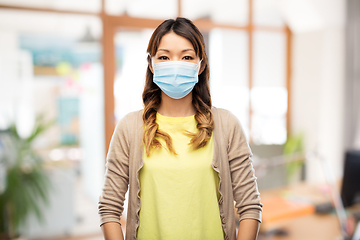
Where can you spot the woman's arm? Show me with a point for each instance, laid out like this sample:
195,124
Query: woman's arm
248,229
111,201
112,231
244,185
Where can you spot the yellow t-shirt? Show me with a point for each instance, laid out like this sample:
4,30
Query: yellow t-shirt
179,193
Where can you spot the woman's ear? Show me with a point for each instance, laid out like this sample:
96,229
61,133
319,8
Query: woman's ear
202,67
150,64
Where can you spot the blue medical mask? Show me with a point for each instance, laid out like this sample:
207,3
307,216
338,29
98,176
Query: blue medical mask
176,78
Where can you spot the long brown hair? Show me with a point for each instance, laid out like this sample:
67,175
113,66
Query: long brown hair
201,98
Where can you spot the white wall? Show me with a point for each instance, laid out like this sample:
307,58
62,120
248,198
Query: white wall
318,83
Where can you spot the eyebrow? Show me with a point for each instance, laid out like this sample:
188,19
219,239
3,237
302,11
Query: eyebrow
185,50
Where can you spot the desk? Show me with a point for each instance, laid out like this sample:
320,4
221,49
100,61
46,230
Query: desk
308,227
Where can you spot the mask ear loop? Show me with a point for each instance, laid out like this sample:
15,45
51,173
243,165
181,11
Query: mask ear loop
199,66
153,63
151,60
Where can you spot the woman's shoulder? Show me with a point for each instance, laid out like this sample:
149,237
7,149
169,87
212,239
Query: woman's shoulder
134,115
228,124
130,119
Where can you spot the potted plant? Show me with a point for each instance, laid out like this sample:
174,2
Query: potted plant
26,186
294,169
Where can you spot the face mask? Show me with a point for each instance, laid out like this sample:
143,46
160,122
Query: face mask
176,78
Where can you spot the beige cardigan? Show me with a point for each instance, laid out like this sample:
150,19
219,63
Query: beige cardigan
231,161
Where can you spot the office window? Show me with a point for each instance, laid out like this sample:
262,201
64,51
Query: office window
268,93
228,58
131,65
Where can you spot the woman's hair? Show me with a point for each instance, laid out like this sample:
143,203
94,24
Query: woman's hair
201,98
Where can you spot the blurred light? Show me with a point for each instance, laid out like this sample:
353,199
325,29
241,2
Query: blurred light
25,119
56,154
269,100
268,129
25,113
269,106
74,154
63,68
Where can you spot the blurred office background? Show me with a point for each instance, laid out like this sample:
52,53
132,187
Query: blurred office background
288,69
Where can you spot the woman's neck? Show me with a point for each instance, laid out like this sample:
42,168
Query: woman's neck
176,107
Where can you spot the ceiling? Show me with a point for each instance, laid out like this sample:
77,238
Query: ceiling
299,15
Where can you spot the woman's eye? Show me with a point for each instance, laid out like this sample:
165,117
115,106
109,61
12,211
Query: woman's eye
188,58
163,58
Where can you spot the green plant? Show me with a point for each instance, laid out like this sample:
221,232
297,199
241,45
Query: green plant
294,145
26,182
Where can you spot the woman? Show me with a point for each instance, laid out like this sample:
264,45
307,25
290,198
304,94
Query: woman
185,162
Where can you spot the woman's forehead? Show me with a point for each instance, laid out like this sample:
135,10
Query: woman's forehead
173,42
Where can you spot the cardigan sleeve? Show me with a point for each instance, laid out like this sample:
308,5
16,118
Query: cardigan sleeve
111,200
244,185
